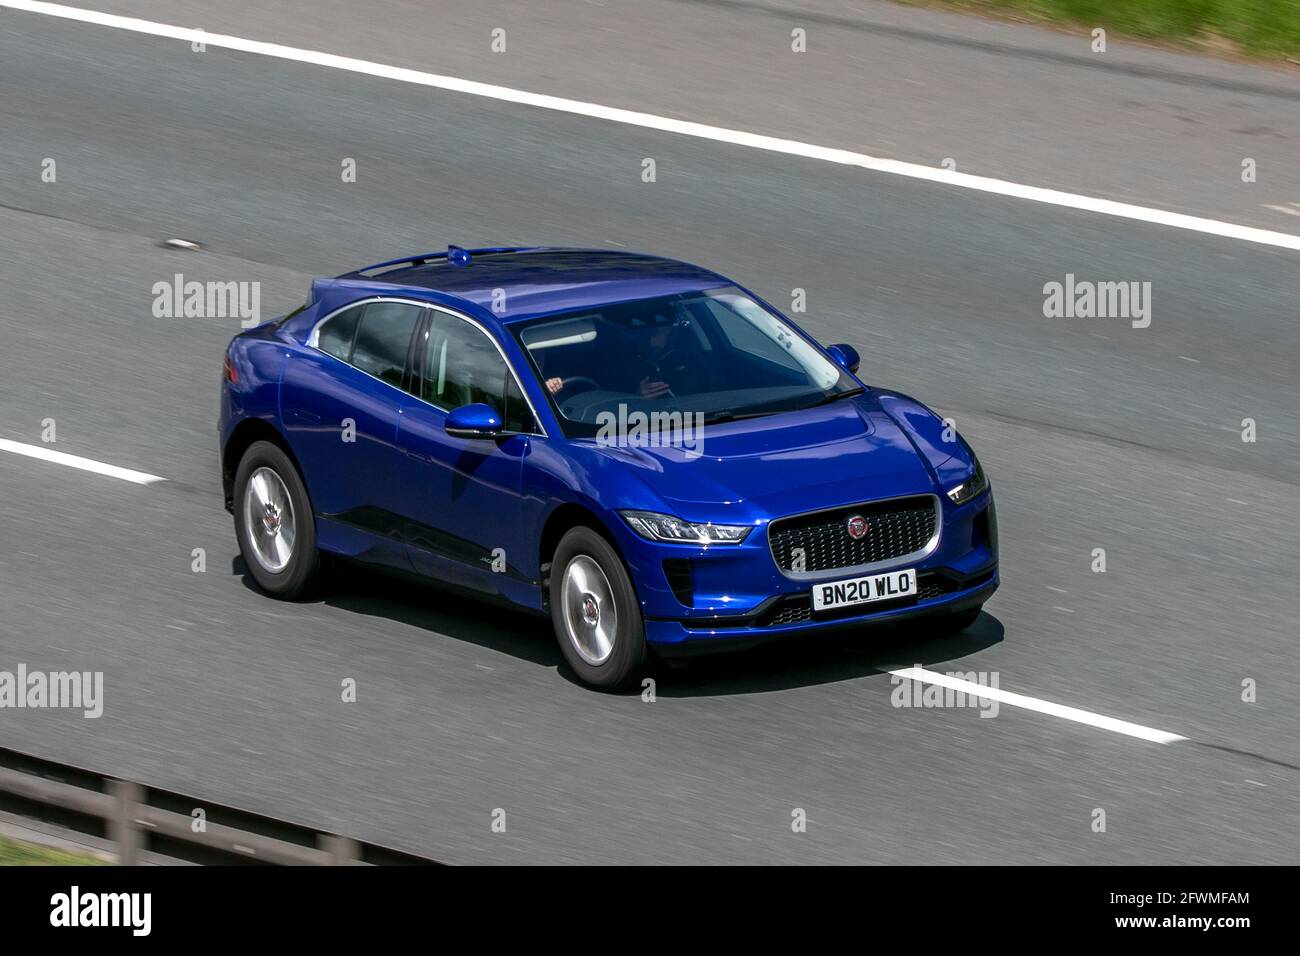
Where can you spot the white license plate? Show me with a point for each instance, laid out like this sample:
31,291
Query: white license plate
864,590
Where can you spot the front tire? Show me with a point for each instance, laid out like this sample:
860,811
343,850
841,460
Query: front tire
274,522
595,611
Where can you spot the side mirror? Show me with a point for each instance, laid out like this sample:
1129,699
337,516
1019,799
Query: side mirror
846,355
473,421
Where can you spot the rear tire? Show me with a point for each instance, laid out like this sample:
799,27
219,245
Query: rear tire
274,522
595,611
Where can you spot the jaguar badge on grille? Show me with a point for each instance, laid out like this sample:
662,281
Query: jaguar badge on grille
857,527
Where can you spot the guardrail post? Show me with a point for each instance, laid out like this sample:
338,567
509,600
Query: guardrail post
121,809
122,827
342,850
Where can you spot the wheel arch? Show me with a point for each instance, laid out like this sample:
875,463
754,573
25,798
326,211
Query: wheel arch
558,523
247,432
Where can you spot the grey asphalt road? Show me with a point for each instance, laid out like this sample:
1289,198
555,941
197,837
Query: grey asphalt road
1096,434
1036,106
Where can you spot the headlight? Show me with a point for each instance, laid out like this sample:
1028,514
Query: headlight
657,527
972,487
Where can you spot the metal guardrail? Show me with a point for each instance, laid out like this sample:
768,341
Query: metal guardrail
145,824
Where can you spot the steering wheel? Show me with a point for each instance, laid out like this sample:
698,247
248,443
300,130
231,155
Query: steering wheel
577,380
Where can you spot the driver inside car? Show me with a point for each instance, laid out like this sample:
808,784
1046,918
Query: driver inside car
660,370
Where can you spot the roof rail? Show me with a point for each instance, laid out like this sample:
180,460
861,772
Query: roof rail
431,256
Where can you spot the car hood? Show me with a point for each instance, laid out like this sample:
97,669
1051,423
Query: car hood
783,464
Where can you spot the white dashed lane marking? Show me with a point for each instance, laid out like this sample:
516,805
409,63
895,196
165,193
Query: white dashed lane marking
75,461
1039,706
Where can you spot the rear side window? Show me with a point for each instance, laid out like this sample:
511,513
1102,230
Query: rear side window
383,339
335,336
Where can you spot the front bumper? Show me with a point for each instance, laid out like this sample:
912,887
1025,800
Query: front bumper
677,639
697,600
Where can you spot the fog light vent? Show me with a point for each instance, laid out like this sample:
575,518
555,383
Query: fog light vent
680,579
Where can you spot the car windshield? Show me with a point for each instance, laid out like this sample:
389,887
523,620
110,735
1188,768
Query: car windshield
717,353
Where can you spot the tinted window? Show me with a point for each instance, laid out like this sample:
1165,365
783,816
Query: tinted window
716,352
462,366
757,339
383,339
335,336
517,416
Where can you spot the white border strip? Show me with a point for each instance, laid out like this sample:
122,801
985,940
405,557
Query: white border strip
611,114
1041,706
74,461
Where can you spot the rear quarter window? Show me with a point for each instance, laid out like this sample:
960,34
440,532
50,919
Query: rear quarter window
336,335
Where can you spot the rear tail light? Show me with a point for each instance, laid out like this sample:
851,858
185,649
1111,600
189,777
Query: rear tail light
228,370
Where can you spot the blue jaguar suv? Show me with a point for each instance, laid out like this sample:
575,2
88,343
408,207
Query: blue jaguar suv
636,447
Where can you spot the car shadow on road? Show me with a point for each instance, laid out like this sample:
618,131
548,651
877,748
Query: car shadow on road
800,661
814,659
441,612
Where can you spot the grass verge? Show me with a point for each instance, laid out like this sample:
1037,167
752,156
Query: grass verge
18,853
1255,28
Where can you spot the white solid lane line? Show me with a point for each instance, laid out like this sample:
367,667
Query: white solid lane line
1041,706
73,461
773,144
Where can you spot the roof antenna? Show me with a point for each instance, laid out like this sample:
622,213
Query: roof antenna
457,256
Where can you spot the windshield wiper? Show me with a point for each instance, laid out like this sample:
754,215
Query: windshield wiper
733,416
826,400
725,416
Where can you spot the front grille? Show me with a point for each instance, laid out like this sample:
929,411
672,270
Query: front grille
895,529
